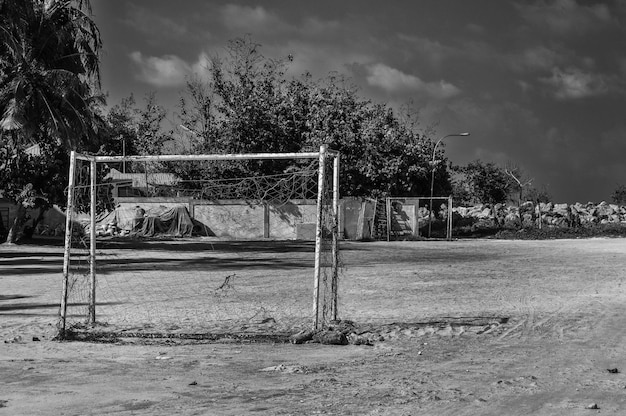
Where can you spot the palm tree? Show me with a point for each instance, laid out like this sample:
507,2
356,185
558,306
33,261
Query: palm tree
49,90
49,70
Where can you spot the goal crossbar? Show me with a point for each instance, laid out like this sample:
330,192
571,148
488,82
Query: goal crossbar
208,157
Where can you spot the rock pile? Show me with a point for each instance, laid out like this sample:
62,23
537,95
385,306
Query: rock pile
544,214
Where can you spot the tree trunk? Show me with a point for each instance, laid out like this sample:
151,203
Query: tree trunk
41,211
15,231
3,230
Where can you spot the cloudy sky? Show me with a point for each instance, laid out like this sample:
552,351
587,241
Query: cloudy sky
541,84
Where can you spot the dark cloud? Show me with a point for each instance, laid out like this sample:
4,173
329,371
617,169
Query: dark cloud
567,17
539,83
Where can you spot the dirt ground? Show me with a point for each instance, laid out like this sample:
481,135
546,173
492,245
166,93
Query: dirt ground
470,327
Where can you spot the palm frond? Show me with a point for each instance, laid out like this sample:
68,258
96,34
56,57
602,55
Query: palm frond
49,69
11,118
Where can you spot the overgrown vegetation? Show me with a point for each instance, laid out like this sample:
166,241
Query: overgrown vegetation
619,195
49,98
552,233
247,104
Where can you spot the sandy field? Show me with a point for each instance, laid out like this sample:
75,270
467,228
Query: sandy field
468,327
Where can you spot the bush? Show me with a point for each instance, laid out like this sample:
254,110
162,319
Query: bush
552,233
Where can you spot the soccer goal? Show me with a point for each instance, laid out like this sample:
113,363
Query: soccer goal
200,246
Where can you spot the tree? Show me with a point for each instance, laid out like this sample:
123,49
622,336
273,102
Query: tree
49,70
538,195
248,105
120,132
332,113
486,182
136,131
619,195
35,180
518,180
49,93
197,116
253,106
461,188
150,135
382,154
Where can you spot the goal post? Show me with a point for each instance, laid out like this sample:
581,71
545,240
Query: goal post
326,306
103,292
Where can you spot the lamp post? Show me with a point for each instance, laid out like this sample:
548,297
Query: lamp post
122,139
432,178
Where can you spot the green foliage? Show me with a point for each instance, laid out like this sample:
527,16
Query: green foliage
120,132
461,188
252,94
619,195
49,80
150,137
135,131
198,119
48,71
35,180
249,106
381,155
538,195
484,182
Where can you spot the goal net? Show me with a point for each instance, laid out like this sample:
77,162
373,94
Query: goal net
200,246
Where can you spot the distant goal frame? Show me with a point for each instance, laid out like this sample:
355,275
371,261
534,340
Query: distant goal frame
325,155
389,201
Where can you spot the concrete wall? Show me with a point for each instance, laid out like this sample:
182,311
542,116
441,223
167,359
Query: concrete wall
292,220
236,219
239,219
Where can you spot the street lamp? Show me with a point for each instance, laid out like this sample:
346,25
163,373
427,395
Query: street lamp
122,139
432,178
